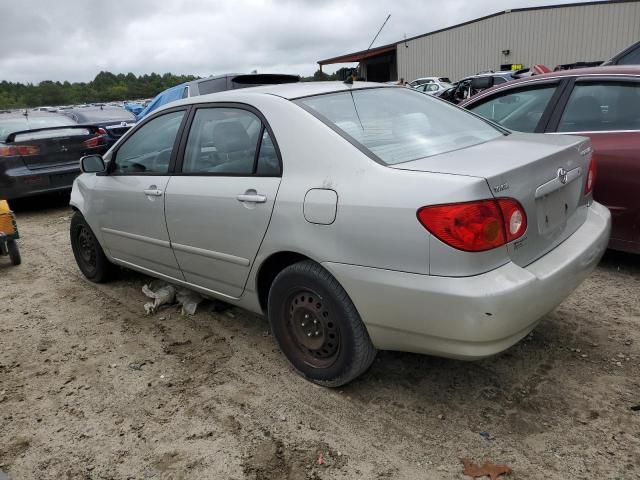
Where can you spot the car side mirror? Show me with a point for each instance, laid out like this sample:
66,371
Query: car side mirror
482,83
92,164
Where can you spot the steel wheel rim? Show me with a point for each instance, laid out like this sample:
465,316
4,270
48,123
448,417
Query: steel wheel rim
312,328
87,247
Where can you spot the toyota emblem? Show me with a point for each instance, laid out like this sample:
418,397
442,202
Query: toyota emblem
562,175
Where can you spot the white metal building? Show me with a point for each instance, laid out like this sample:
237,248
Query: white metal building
553,35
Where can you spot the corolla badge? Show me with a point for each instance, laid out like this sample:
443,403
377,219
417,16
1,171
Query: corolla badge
63,149
562,175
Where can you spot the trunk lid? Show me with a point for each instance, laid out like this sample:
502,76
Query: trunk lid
545,173
55,146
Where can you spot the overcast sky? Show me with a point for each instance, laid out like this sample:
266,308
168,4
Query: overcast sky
75,39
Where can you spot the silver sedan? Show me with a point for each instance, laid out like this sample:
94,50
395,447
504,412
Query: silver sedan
356,217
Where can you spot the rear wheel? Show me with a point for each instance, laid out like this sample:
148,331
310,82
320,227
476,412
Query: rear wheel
317,326
14,252
89,255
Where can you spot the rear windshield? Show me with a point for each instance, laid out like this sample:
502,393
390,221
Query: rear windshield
17,124
105,115
398,125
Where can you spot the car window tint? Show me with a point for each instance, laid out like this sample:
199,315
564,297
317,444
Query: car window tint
630,58
213,85
602,106
148,150
268,163
498,80
399,124
222,141
518,110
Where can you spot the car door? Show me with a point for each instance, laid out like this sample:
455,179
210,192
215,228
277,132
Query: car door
219,203
131,196
607,109
523,108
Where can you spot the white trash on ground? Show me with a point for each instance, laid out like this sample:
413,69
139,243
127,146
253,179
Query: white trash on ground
164,293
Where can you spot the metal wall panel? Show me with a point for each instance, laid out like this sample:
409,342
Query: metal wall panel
550,36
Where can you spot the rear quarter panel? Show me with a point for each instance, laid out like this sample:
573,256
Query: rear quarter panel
376,223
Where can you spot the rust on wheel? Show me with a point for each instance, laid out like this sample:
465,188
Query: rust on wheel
312,328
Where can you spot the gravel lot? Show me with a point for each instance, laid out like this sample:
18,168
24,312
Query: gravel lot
92,388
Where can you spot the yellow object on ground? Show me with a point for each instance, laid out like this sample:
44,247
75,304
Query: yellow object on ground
7,226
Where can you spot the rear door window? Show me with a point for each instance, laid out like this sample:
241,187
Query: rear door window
268,161
222,141
517,109
602,106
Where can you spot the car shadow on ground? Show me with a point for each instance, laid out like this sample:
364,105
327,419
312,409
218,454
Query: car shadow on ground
40,203
621,262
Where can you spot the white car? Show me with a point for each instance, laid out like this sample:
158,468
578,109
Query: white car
423,80
433,88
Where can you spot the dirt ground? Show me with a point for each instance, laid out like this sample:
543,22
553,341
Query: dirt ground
91,388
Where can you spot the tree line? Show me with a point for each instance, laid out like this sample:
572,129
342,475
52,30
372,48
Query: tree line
105,87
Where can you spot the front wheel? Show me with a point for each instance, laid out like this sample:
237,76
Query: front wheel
317,326
14,252
90,257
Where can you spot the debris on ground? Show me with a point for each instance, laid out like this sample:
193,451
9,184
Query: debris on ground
488,469
320,460
487,436
163,293
635,408
189,300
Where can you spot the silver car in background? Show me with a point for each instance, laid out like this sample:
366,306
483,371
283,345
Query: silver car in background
357,217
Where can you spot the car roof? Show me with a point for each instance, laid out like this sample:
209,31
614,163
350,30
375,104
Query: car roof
290,91
603,70
31,113
629,70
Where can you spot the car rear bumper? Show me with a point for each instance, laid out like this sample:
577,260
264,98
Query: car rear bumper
24,182
472,317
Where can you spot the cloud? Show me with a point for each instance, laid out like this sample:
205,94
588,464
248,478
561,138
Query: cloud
76,39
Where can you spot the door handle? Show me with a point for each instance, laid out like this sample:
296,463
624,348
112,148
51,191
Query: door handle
153,192
252,198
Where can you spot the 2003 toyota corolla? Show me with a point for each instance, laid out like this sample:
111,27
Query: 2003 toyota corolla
357,217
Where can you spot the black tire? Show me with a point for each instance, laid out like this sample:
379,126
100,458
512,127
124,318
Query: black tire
89,255
14,252
317,327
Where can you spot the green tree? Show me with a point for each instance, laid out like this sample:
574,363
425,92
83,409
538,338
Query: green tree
105,87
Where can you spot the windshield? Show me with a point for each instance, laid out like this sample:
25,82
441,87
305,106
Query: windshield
398,125
17,124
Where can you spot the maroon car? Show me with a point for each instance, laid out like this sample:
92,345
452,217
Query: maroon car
602,103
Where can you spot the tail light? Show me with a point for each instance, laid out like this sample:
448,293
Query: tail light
475,226
19,150
591,176
96,141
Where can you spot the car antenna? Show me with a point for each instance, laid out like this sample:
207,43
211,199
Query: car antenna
349,79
